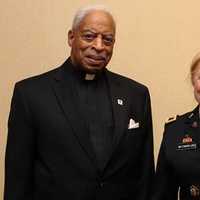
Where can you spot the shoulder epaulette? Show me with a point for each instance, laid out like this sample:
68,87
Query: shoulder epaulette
171,119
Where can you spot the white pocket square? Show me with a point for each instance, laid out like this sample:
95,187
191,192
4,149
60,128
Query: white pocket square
132,124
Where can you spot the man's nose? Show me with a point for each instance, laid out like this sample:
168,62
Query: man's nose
98,43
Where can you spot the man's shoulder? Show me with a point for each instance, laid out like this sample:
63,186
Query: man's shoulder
125,81
38,79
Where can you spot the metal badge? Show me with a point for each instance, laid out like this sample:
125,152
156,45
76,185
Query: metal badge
120,102
187,143
194,124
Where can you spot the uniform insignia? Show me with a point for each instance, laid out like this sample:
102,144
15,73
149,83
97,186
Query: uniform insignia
191,115
171,119
194,124
187,139
187,143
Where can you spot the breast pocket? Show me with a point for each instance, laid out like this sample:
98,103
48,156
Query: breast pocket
134,137
134,132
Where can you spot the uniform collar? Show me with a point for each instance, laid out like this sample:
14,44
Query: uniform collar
193,116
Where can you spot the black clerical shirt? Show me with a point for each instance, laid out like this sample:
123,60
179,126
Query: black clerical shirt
95,105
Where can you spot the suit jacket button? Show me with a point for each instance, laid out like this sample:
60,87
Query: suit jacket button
102,184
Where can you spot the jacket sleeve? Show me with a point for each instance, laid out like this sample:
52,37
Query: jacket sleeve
147,159
165,186
19,160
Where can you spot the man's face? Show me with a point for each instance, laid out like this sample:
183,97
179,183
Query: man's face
92,41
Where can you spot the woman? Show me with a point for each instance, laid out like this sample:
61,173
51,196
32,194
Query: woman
178,168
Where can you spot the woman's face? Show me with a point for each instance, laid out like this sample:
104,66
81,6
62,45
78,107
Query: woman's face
196,82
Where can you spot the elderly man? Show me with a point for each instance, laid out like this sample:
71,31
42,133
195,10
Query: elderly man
80,132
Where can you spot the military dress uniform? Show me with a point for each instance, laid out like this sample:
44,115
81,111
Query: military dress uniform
178,167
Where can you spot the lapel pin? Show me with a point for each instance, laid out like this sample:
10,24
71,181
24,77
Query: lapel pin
120,102
194,124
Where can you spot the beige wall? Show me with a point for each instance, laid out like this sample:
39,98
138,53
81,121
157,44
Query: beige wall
155,43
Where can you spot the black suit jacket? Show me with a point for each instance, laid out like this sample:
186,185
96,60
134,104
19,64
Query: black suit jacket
178,168
49,155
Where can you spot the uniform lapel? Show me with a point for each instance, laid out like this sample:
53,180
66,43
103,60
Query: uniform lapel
193,125
66,94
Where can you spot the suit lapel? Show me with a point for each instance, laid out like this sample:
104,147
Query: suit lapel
120,104
63,85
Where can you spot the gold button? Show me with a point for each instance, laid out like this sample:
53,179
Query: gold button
194,191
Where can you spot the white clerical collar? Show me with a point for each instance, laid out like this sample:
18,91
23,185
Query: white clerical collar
89,77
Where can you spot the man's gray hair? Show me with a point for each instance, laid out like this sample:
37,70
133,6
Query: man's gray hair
82,12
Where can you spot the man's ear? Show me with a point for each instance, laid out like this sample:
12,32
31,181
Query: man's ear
70,37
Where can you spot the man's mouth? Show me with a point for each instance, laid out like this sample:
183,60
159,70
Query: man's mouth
95,60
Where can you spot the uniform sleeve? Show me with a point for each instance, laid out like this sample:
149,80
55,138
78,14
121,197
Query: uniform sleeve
165,186
147,158
19,150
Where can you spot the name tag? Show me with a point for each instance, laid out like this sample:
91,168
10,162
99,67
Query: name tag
192,146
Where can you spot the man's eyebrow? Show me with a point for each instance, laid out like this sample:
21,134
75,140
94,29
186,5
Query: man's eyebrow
88,30
95,32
